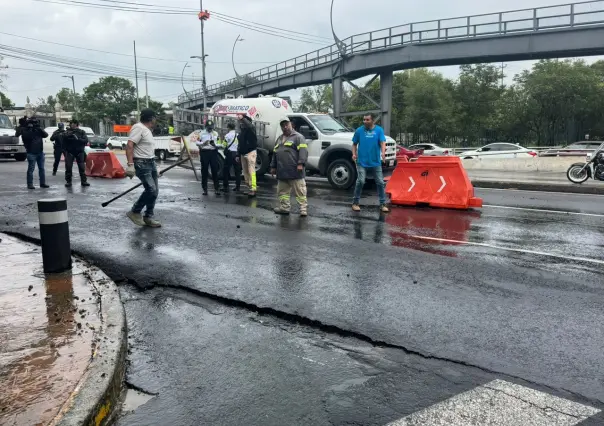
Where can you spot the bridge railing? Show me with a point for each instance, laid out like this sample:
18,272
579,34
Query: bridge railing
572,15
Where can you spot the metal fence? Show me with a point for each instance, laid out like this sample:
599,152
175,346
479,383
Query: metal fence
548,18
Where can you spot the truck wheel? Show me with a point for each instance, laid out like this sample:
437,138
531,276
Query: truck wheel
163,154
262,162
341,173
110,146
20,157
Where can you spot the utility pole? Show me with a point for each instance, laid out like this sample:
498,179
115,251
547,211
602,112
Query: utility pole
146,91
502,67
138,103
203,60
75,97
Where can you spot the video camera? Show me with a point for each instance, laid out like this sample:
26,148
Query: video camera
31,122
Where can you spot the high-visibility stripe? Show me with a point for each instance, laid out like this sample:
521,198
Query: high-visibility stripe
288,144
303,145
276,146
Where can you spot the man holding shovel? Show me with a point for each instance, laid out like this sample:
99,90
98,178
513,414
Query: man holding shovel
140,153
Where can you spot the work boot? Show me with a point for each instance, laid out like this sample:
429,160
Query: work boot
251,194
68,185
384,208
279,210
356,208
44,186
136,218
303,213
151,223
31,187
205,192
84,183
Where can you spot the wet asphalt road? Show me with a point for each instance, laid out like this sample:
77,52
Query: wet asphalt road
237,315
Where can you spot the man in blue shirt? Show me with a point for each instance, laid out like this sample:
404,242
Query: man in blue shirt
369,142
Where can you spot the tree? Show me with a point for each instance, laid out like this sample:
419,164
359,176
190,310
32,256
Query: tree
316,99
476,96
6,101
111,98
65,98
430,106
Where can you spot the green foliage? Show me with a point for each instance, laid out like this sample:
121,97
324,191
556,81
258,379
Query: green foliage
6,101
110,98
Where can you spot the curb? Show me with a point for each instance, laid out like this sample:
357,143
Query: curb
542,187
96,398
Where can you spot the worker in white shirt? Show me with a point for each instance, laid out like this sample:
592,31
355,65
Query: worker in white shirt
230,159
208,154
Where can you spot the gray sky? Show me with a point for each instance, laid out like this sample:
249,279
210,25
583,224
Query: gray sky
176,37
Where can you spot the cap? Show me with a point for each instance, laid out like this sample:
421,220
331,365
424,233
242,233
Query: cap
147,115
284,120
61,125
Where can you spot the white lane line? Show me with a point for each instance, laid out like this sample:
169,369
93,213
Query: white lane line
501,403
540,253
542,210
539,192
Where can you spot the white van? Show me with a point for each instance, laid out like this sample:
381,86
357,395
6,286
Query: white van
329,140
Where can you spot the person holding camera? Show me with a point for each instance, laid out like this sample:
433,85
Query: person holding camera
230,159
57,139
208,154
33,140
75,141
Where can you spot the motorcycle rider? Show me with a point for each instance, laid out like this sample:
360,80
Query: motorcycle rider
75,141
57,138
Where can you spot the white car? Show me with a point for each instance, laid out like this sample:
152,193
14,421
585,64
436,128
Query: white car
499,150
117,142
429,149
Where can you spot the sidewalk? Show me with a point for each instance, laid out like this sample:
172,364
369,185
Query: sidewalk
52,332
532,181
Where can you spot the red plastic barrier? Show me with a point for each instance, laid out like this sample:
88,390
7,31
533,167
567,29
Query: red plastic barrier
434,181
104,164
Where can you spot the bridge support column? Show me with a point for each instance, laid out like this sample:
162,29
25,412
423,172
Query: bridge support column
337,85
386,80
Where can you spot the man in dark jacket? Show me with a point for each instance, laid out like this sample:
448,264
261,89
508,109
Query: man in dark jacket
248,143
75,141
289,163
57,139
33,139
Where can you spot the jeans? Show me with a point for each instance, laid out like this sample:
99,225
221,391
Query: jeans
32,160
209,159
379,181
80,158
146,171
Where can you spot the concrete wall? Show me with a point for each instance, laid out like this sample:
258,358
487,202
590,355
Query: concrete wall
537,164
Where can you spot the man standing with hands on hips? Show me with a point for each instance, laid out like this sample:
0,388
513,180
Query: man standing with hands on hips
289,161
368,143
140,153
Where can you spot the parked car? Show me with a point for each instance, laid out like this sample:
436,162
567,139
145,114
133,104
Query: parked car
429,149
499,150
117,142
403,153
96,144
578,149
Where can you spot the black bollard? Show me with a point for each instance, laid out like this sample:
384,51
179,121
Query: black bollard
54,232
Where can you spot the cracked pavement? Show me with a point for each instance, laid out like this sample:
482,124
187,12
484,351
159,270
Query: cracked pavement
239,316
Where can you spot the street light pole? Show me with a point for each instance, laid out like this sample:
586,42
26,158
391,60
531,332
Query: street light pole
75,97
341,46
233,59
138,102
182,79
203,60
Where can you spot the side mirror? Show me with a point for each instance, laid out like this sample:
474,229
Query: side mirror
308,133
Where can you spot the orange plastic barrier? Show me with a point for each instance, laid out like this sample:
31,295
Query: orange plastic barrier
433,181
104,164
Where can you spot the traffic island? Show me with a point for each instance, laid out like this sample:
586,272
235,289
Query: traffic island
62,341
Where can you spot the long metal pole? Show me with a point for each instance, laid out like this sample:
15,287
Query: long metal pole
146,92
138,104
75,97
203,60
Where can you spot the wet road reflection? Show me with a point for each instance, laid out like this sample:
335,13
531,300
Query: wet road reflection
45,341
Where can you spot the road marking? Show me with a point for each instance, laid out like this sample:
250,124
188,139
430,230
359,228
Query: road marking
543,210
501,403
412,183
540,253
538,192
444,184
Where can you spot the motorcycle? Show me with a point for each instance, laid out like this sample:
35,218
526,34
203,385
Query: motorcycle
592,168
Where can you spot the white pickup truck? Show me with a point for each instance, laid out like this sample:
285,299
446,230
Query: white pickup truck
10,145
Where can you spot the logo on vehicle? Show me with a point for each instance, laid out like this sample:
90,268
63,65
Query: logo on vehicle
276,103
230,109
424,174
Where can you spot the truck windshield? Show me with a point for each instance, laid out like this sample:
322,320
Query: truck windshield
5,122
328,124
